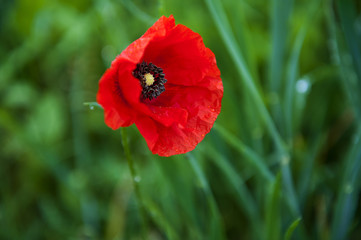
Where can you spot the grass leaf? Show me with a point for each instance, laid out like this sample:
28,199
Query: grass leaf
273,210
292,228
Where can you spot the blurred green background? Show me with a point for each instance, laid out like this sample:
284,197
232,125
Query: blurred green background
282,162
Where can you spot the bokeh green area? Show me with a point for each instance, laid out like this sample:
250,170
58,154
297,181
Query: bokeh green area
282,161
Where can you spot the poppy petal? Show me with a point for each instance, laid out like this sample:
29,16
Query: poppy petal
184,110
117,112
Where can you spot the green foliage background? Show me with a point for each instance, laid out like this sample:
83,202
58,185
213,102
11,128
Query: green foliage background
282,161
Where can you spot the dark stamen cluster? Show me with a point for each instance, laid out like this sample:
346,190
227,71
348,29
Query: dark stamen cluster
157,87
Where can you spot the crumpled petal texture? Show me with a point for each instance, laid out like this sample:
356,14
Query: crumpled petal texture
178,119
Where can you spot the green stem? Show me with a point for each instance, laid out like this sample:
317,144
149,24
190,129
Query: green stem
216,228
135,180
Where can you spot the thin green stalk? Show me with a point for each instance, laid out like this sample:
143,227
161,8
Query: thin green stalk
348,17
252,157
280,14
273,209
246,200
157,214
281,11
81,144
348,194
135,181
93,105
308,168
346,77
292,71
226,34
216,218
137,12
288,183
291,229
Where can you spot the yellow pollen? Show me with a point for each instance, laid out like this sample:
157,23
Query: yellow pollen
149,79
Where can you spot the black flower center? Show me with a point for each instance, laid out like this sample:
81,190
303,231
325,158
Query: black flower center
151,79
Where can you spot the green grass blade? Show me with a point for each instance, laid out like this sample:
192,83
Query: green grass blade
93,105
216,227
22,55
348,194
341,59
348,20
273,210
288,183
280,14
180,212
291,229
159,218
137,12
281,11
138,195
349,190
224,28
308,167
292,71
245,200
253,159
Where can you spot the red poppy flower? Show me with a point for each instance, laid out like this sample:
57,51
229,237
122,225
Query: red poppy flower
168,84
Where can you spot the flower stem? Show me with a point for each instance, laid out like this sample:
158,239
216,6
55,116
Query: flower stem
135,180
